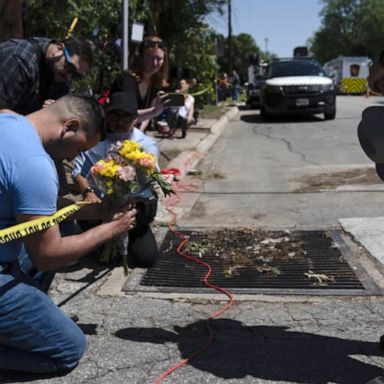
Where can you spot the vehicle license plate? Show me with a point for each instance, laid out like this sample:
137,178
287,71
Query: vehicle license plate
302,102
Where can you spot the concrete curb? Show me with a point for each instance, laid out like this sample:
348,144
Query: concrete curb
185,161
216,130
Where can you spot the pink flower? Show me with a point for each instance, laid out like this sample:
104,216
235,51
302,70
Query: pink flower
97,168
127,173
147,162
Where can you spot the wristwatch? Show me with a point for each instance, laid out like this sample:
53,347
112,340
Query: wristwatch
87,190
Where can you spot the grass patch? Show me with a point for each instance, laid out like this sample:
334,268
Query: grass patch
212,111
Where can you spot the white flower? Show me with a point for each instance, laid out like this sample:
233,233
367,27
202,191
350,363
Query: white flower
127,173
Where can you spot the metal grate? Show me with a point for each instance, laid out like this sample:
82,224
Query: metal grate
285,262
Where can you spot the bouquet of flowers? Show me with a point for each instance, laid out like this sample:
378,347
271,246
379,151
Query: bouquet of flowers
122,176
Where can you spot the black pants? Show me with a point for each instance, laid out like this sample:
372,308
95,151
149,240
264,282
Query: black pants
175,121
142,247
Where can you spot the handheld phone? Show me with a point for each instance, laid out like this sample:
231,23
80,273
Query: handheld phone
176,99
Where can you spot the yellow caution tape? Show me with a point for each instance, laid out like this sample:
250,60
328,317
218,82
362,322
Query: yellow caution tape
72,27
44,222
199,92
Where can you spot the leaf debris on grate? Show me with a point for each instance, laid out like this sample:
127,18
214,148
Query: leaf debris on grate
249,258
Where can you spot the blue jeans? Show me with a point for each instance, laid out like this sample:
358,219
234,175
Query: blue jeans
35,335
235,92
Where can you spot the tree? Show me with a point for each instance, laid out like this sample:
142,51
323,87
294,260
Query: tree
370,28
98,21
338,32
349,28
180,23
243,45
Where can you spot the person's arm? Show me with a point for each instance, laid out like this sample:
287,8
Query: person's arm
48,249
86,190
154,104
81,167
33,198
191,110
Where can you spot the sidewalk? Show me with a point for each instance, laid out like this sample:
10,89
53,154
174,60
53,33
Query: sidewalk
135,338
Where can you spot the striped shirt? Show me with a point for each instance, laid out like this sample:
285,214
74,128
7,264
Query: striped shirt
26,80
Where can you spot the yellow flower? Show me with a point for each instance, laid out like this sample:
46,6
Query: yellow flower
128,147
110,169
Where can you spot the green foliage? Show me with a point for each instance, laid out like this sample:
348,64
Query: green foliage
179,22
349,28
243,46
370,27
98,21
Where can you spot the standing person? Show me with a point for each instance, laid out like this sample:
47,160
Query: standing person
223,86
235,83
35,335
150,69
38,69
121,117
182,117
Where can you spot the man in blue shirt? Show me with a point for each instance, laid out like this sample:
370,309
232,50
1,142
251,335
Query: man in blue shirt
35,335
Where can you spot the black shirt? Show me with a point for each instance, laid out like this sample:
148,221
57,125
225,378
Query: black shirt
126,82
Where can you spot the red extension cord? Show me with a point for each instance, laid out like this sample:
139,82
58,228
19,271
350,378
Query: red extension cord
169,203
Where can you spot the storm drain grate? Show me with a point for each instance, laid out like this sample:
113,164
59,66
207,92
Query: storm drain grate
253,261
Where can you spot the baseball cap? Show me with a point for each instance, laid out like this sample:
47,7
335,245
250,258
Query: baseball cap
124,101
371,136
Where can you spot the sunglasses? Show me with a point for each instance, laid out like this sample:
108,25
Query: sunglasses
154,44
71,68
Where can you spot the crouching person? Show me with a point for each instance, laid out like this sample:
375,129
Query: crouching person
182,117
35,335
139,245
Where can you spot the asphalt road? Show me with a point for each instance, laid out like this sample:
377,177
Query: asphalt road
268,170
296,172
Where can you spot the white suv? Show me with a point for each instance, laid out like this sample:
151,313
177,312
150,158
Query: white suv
297,85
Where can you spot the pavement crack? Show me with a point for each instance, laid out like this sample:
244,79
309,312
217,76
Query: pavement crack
287,143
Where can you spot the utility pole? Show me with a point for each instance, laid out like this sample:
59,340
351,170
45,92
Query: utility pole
266,45
229,36
125,33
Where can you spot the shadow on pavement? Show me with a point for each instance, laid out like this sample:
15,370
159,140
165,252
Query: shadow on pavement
267,352
93,265
26,377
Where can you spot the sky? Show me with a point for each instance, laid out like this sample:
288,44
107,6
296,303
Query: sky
276,25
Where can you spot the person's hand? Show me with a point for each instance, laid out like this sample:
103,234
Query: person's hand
48,102
91,197
376,78
160,102
125,220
